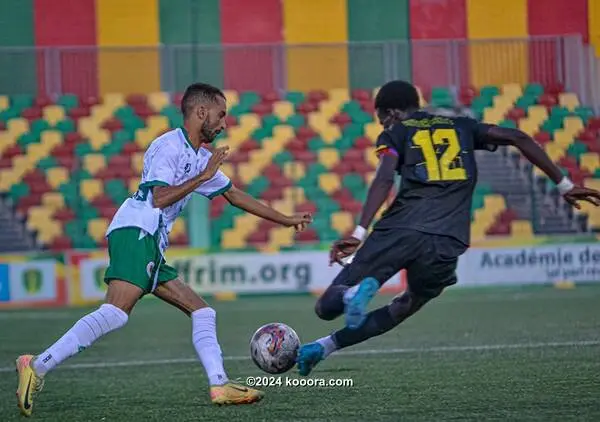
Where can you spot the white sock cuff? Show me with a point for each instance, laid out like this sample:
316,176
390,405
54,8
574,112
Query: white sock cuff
115,312
207,312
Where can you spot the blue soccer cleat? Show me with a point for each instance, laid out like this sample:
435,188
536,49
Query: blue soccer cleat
308,356
356,307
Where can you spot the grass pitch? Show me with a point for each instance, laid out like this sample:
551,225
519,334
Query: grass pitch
485,354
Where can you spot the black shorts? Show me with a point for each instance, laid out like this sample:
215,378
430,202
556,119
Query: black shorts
430,260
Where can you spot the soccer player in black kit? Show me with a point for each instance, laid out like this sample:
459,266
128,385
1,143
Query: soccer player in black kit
426,228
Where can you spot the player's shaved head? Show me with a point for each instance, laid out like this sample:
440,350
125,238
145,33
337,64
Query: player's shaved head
197,94
398,95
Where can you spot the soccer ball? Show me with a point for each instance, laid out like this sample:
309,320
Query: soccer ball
274,347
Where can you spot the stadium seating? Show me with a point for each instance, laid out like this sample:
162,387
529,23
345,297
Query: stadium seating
68,163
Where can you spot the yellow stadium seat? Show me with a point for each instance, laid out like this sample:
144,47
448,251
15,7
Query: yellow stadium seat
330,133
51,138
113,100
592,213
554,151
573,124
94,162
493,116
329,182
134,184
4,102
228,169
37,217
283,109
54,114
590,161
521,228
232,98
294,170
528,126
157,122
53,200
342,222
250,121
512,91
339,95
137,162
537,114
295,195
178,228
158,100
281,237
96,228
48,232
371,157
283,133
563,138
98,138
329,108
231,239
372,130
7,179
247,172
494,202
143,137
91,188
56,176
568,100
502,102
329,157
17,127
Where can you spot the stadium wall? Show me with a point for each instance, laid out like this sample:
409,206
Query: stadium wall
76,277
116,45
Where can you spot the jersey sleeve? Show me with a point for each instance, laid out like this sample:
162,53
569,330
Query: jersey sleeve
385,145
218,185
160,166
480,137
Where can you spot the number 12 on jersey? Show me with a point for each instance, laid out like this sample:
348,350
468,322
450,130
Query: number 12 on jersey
439,168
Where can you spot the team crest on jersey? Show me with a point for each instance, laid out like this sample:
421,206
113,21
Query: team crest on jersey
187,168
149,269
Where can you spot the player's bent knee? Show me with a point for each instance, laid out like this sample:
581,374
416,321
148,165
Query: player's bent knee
324,312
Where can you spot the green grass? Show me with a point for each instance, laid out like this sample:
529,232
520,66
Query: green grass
495,354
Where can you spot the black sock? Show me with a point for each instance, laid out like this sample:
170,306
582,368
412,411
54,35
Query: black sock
378,322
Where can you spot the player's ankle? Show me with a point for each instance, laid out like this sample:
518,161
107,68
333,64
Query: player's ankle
328,345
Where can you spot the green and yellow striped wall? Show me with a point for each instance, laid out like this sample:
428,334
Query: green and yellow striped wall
129,34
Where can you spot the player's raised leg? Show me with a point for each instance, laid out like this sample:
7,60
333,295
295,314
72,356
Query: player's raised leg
113,314
204,338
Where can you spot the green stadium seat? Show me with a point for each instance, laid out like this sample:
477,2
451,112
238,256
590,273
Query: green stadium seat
18,191
533,89
66,126
510,124
68,101
258,186
283,157
489,91
295,97
47,163
576,149
21,102
526,101
296,121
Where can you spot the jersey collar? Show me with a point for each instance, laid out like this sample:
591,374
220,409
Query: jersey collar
187,139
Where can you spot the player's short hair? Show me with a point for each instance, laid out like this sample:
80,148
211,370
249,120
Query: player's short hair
397,94
199,93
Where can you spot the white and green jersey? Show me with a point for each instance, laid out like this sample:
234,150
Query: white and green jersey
169,161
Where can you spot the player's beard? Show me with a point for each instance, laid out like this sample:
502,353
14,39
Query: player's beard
207,133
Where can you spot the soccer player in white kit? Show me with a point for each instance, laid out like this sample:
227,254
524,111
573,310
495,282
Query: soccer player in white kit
176,165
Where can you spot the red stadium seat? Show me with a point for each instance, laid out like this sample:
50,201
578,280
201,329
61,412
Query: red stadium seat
360,95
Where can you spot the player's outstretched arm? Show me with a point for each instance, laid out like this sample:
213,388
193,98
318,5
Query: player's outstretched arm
242,200
165,196
378,193
537,156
